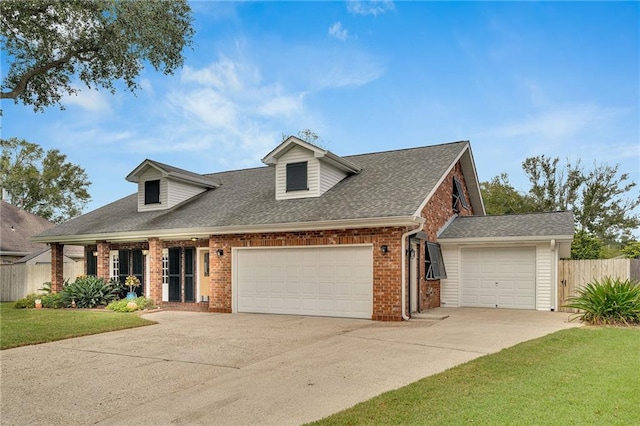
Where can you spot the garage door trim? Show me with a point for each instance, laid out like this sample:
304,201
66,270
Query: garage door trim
517,302
235,266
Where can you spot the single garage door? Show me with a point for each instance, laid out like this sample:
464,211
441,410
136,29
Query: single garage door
325,281
499,277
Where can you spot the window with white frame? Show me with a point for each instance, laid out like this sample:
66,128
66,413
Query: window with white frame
165,266
152,192
297,176
115,264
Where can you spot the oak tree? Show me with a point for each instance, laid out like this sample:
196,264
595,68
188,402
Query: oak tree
50,43
500,197
43,183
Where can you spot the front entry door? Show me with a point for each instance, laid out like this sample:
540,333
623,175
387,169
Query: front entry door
181,274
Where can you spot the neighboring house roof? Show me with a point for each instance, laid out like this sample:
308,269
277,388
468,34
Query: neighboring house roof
71,254
17,227
557,225
391,186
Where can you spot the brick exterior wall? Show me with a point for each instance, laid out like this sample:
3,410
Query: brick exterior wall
155,270
103,266
57,267
387,274
437,213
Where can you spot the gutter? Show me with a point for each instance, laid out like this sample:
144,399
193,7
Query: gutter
404,270
505,239
206,232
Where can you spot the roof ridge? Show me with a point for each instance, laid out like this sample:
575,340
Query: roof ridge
514,214
407,149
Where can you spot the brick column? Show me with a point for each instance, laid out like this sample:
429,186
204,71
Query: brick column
220,276
57,267
102,260
155,270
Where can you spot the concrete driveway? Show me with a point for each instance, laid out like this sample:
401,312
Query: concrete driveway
241,369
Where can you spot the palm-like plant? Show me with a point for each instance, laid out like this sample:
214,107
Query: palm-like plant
608,302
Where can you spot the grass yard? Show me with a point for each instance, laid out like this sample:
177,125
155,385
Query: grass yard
20,327
576,376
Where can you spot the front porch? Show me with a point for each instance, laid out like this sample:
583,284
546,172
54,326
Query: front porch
174,274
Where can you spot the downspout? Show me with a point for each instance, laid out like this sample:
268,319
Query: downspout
404,270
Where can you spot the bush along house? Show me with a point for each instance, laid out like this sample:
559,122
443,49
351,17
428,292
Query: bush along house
378,236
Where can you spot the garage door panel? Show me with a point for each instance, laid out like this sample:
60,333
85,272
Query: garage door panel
326,281
513,269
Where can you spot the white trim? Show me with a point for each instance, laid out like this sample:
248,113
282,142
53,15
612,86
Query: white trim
271,158
113,255
418,212
165,277
199,250
147,275
514,239
554,274
242,229
476,181
403,268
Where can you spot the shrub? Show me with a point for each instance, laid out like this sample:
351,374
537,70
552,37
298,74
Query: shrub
89,292
121,305
52,301
29,301
608,302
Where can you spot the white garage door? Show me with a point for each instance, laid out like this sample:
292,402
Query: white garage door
326,281
499,277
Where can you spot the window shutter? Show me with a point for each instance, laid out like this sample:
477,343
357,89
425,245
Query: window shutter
458,196
434,264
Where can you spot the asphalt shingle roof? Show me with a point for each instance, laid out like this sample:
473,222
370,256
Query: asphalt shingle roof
17,228
391,183
517,225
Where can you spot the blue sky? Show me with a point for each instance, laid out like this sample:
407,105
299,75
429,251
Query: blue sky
517,79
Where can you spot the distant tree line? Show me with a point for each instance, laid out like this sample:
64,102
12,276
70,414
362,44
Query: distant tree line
600,198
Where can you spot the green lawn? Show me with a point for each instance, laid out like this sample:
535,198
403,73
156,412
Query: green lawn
576,376
19,327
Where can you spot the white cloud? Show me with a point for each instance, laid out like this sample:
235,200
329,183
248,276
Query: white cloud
88,99
223,75
558,123
348,72
372,7
336,30
281,105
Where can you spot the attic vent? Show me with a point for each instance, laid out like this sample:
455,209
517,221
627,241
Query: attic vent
459,202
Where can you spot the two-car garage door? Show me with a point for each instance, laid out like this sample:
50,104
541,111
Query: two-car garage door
326,281
501,277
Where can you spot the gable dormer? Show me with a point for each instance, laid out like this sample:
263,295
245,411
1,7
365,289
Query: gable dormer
304,170
161,186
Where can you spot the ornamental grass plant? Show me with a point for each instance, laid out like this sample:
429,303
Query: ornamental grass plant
608,302
89,292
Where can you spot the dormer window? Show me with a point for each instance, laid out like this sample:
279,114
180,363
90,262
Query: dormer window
297,177
152,192
459,202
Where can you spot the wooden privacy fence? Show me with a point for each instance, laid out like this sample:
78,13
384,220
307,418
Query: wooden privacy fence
574,274
18,280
